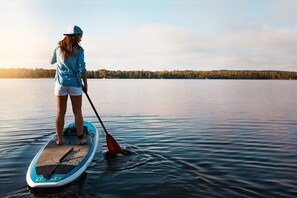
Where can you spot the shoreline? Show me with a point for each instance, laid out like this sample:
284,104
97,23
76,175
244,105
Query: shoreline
142,74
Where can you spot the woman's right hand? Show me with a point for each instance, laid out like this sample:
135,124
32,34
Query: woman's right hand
85,88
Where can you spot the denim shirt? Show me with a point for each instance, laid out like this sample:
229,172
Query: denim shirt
69,69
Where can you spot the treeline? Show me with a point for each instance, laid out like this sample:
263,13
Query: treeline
27,73
176,74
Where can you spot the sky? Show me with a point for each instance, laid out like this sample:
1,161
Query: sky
154,34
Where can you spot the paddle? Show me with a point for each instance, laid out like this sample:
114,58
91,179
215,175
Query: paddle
112,145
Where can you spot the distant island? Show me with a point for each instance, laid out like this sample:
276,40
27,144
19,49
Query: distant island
137,74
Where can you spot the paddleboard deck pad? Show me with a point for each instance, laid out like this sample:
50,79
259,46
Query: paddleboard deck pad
57,165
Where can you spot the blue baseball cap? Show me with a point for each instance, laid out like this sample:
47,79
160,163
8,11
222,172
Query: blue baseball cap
74,29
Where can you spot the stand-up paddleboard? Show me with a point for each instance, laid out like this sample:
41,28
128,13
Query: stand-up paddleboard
57,165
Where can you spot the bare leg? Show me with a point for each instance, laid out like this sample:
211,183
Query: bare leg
76,107
61,111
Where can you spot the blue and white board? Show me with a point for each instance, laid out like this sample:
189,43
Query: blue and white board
57,165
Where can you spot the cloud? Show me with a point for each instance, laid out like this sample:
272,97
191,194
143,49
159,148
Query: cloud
281,11
150,46
161,46
259,47
200,35
167,47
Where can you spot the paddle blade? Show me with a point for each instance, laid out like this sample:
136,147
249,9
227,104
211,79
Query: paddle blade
113,146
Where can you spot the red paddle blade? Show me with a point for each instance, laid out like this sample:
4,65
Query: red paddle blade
113,146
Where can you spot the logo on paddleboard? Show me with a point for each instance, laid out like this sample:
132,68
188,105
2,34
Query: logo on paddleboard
41,179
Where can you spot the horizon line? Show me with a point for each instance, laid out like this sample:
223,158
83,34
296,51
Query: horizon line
266,70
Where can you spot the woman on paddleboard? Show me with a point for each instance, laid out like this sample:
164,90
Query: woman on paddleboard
71,78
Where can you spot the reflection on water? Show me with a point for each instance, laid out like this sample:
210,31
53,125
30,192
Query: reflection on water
212,138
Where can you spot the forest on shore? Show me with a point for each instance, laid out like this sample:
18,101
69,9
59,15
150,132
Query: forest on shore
141,74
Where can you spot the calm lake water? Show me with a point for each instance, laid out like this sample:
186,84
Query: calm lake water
186,138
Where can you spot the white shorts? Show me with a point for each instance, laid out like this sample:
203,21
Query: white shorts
61,90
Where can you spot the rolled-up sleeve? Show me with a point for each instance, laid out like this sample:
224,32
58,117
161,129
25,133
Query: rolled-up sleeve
81,61
53,58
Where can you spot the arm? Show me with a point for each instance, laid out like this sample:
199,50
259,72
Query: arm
82,69
53,58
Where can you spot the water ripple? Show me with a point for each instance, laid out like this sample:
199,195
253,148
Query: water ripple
217,139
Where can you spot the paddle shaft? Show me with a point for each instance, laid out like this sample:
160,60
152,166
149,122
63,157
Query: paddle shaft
112,145
95,111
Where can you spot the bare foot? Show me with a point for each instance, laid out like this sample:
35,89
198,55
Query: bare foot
83,141
59,142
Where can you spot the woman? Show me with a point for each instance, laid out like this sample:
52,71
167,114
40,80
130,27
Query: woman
69,56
